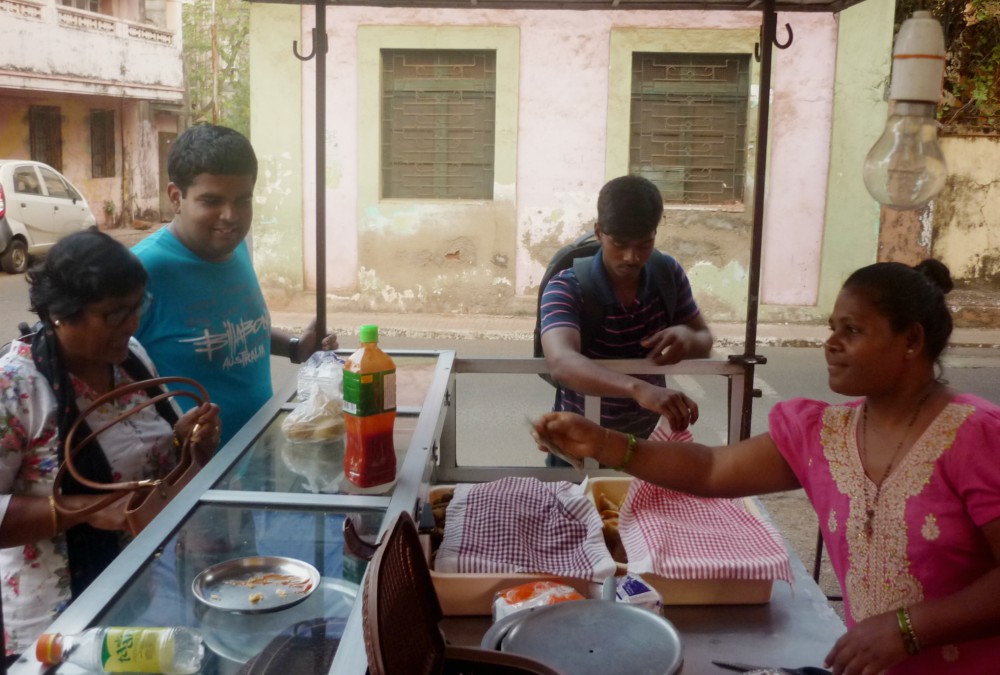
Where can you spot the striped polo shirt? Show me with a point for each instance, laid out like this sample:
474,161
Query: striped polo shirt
618,337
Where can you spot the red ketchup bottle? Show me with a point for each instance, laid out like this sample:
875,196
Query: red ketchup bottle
369,413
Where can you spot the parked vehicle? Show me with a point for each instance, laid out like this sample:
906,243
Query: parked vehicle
38,207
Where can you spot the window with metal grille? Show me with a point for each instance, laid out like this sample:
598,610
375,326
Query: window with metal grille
689,125
102,143
90,5
438,123
45,135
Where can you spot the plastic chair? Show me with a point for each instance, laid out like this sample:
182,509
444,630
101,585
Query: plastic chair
401,613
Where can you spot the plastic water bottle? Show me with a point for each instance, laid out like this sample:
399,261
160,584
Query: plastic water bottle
171,651
369,413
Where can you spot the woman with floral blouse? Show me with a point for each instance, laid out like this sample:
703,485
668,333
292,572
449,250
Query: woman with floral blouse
89,294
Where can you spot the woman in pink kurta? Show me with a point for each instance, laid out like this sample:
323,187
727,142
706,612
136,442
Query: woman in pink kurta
925,539
905,479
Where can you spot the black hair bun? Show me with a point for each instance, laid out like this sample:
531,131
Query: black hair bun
938,273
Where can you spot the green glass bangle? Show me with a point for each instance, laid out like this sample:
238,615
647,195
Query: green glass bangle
910,642
629,451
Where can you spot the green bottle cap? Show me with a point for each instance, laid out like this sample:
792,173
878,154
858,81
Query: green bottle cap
369,333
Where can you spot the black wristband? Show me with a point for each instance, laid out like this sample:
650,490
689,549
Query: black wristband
293,350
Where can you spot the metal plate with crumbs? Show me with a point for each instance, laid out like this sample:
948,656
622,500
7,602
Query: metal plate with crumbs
255,584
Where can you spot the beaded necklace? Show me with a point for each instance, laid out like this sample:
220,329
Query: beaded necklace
871,508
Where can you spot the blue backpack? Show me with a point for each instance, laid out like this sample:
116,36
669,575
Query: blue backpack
579,255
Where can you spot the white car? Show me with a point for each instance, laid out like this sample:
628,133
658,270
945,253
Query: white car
38,207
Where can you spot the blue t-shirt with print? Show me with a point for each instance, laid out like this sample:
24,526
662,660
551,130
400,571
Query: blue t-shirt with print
208,322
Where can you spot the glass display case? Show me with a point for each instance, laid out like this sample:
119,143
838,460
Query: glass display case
263,495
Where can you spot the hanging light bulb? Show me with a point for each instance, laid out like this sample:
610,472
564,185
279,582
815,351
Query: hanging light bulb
905,168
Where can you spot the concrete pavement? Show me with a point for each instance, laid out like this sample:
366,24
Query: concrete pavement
490,327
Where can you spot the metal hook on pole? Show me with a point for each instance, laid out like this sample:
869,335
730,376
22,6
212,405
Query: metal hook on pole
788,42
780,45
295,48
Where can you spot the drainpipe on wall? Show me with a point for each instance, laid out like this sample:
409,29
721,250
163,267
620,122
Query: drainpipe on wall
121,133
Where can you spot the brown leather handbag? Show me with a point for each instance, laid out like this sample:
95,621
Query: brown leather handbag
148,497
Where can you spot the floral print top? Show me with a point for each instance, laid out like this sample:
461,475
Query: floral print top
34,578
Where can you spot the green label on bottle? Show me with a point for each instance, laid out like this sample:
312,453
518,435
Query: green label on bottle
369,393
132,650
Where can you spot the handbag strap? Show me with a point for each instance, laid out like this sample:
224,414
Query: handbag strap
72,447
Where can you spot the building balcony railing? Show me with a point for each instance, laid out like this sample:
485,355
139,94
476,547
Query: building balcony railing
52,47
83,20
78,19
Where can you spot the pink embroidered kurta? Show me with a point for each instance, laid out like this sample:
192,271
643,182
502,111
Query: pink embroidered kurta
925,540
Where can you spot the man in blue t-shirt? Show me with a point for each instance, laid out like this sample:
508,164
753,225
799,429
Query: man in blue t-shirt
208,320
635,325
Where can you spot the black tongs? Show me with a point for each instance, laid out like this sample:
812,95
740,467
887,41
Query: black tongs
747,668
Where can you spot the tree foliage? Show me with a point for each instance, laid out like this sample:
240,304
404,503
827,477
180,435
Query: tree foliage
971,98
231,21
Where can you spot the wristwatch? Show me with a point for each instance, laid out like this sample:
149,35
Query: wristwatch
293,350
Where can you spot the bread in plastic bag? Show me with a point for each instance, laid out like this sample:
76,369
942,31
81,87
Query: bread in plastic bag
319,416
324,369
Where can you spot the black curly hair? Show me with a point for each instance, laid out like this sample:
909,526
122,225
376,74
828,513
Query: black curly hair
81,269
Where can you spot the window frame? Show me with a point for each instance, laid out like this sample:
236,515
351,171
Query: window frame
711,170
624,43
45,135
505,40
445,94
103,148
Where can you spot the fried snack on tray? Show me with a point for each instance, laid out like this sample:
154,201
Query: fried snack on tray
438,507
609,510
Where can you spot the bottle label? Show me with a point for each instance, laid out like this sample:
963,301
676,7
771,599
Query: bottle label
132,650
369,393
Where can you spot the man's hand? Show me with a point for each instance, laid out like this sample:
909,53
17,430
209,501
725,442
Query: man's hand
670,345
679,410
307,343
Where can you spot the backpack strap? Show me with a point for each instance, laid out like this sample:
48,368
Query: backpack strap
662,277
592,313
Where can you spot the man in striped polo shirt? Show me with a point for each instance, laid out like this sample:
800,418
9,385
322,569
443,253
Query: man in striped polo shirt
636,323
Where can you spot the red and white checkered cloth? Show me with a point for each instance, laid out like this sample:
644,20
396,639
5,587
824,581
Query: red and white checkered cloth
523,525
680,536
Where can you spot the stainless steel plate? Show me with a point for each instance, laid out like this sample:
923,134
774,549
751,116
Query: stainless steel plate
240,637
574,637
255,584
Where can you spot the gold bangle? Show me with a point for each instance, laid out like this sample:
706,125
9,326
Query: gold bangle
55,515
629,451
910,641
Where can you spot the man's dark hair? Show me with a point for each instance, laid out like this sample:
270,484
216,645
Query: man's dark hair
210,148
629,207
83,268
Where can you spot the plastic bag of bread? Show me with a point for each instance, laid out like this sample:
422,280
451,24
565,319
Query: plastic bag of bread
324,369
318,417
532,594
